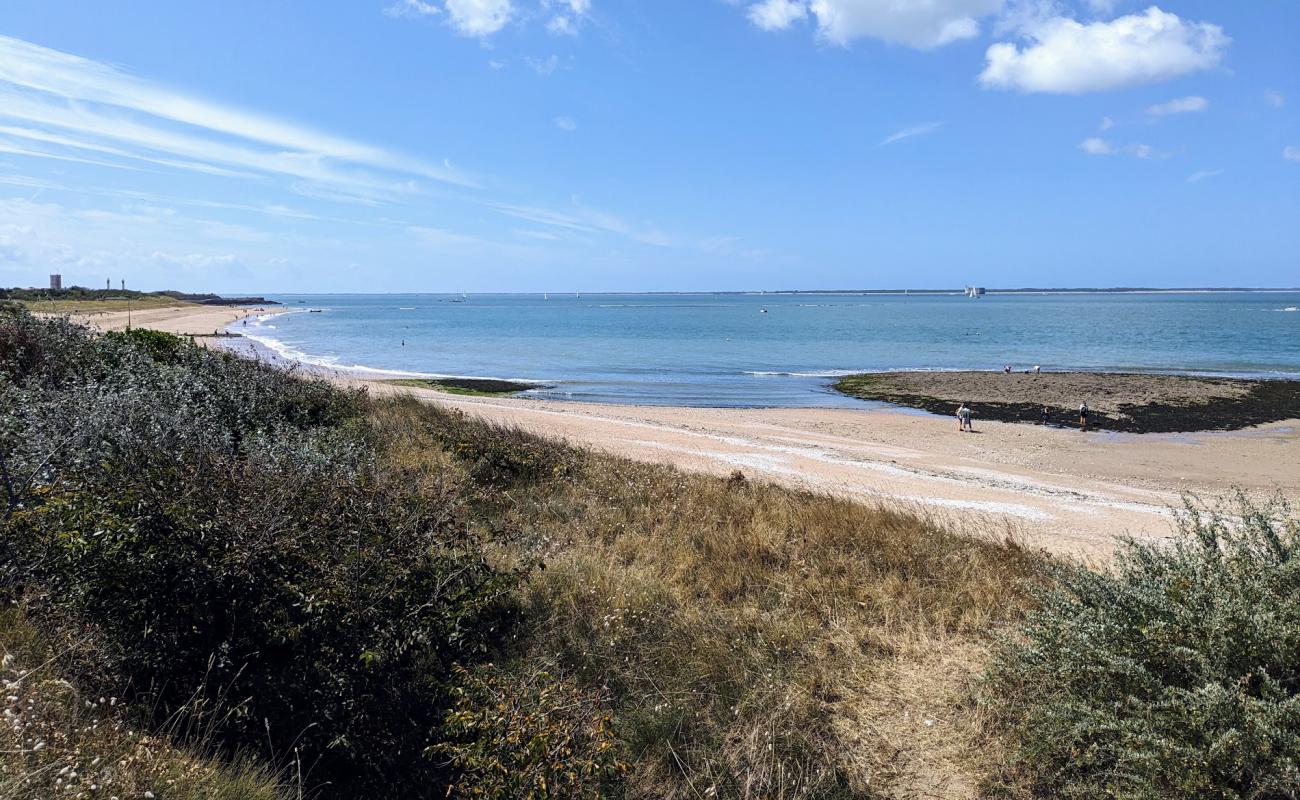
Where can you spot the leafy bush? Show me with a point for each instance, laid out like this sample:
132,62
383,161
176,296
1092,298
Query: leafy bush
241,549
1176,676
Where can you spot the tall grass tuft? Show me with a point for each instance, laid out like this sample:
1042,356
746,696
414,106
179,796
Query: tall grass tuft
1175,675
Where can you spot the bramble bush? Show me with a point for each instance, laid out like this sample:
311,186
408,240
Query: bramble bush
1175,675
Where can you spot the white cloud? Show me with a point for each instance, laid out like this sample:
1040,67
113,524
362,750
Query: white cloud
570,14
908,133
1275,98
566,124
1106,124
1065,56
544,67
412,8
1183,105
922,24
479,17
1095,146
775,15
1291,153
1197,177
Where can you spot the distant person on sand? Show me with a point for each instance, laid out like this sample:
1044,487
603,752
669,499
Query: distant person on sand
1083,415
963,418
1044,415
1006,368
1037,369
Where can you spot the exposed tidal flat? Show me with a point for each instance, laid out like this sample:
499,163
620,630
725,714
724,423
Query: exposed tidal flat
1126,402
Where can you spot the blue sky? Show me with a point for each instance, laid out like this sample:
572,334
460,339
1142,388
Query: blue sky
615,145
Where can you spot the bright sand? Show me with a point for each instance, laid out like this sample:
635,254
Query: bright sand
1061,489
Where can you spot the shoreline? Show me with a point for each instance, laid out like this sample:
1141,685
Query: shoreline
1059,489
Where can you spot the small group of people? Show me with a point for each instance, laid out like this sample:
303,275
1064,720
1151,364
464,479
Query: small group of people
964,414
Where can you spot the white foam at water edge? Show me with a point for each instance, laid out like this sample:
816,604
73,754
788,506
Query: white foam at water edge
830,373
1290,308
294,355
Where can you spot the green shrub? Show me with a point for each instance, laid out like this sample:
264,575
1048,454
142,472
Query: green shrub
242,551
497,455
1177,675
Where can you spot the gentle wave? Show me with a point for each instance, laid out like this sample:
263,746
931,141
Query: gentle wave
292,354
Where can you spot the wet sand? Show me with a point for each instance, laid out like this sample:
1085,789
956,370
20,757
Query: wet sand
1061,489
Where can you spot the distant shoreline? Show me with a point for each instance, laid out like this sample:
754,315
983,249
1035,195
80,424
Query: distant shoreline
799,292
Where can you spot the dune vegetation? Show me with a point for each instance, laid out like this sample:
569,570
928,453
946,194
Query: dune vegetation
224,580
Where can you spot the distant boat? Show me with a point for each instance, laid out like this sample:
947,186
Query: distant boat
546,296
314,311
762,311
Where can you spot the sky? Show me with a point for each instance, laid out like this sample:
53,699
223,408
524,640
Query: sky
670,145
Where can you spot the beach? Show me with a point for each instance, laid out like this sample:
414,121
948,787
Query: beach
181,320
1059,488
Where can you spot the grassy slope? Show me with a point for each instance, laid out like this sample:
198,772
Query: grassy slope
102,306
752,640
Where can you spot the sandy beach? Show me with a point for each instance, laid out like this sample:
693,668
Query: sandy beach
182,320
1061,489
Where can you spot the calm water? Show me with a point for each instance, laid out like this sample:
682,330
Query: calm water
723,350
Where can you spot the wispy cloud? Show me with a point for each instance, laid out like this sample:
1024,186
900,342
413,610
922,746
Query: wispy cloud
1291,153
1183,105
1197,177
1097,146
566,124
907,133
63,104
1275,98
412,8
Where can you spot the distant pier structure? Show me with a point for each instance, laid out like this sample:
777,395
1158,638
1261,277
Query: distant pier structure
974,291
56,282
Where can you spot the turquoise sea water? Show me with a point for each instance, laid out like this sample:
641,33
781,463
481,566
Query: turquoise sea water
725,350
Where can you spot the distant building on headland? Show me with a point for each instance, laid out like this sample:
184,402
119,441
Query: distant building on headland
974,291
56,282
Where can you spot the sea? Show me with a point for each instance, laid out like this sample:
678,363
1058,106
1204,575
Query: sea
772,350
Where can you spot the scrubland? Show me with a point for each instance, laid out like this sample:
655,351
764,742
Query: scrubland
280,588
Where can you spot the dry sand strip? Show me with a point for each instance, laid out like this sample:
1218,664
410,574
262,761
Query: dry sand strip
191,320
1064,490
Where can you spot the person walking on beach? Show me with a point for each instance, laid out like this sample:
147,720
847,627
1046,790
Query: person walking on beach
1083,416
1044,415
963,418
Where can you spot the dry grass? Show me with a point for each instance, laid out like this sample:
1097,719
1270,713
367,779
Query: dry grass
755,641
84,307
56,742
